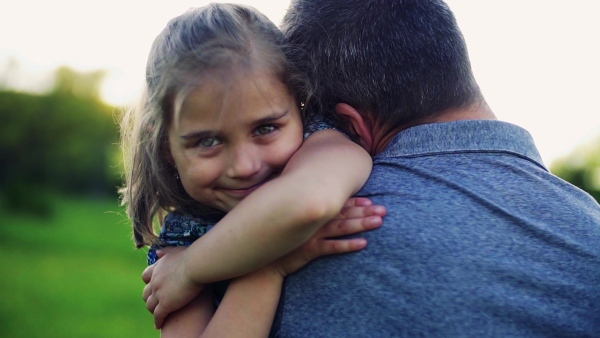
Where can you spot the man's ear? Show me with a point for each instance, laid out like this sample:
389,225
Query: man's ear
360,129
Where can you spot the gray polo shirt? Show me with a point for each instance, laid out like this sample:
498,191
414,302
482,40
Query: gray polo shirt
480,240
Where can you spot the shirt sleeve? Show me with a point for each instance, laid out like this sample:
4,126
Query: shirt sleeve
179,229
318,122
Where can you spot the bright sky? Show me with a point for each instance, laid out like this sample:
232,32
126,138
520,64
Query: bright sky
537,61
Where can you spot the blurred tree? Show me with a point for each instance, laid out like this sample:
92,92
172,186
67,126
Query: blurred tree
64,141
8,72
84,86
581,168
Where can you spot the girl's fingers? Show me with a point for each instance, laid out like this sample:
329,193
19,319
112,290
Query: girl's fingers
160,253
351,226
159,317
362,211
151,303
358,216
357,202
147,293
147,274
338,246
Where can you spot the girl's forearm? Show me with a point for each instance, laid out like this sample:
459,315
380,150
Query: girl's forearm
249,306
191,320
247,310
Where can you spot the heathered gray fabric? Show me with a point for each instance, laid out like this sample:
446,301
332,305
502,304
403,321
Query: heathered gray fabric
480,240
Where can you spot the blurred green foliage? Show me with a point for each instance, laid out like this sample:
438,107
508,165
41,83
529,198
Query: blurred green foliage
581,168
74,275
66,141
69,265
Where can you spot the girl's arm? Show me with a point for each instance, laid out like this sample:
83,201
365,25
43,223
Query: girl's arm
190,320
272,221
282,214
249,305
247,310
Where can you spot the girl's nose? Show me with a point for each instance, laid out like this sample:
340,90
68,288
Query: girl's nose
244,163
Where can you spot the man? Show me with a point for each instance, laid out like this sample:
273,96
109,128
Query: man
480,240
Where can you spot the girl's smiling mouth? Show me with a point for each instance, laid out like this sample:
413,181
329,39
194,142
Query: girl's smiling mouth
243,192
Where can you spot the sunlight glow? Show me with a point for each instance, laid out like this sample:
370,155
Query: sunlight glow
535,60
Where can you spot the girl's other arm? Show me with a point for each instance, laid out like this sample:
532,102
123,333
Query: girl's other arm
190,320
247,310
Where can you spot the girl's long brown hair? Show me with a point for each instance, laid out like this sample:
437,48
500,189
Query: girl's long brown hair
184,55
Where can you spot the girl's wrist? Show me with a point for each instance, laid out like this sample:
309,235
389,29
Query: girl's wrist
269,274
187,269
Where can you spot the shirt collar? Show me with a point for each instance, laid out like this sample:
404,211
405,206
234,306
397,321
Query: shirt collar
463,136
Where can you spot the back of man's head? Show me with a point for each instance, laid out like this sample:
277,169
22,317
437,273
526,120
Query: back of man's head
400,60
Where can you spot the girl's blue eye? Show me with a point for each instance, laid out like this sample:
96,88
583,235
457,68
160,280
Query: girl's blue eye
264,130
209,142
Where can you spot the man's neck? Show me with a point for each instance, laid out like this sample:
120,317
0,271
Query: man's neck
476,111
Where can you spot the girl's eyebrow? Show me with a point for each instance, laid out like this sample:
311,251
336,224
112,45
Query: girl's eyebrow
208,133
276,116
198,134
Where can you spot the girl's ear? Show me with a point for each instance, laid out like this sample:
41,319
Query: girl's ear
359,128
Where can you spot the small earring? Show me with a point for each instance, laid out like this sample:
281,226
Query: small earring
177,176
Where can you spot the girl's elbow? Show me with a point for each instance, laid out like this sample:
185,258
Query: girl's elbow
319,210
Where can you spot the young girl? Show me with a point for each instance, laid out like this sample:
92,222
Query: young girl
220,131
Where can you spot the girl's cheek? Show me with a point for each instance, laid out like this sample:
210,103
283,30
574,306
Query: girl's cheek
286,153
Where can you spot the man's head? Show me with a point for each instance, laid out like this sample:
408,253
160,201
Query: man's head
399,62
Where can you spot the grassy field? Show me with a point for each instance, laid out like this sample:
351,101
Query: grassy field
76,274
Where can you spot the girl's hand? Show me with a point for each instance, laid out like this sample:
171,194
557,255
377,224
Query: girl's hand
168,288
358,215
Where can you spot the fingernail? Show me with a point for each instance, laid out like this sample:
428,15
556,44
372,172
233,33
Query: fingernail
360,243
379,209
374,221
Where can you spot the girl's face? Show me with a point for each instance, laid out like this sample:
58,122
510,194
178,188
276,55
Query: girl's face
228,140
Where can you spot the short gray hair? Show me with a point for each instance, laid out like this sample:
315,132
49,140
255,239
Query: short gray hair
399,60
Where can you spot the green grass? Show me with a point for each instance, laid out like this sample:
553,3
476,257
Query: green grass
74,275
